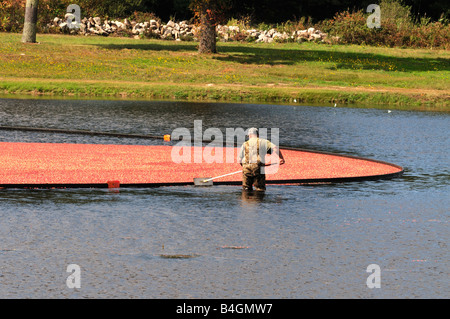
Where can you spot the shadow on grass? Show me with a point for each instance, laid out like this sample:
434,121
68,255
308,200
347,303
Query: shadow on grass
281,56
170,46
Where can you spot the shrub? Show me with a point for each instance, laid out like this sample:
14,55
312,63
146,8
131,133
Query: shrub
139,16
12,15
397,28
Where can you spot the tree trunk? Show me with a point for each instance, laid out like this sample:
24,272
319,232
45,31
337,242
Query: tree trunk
207,34
29,28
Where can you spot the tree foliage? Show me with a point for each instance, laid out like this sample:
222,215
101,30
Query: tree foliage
257,11
267,11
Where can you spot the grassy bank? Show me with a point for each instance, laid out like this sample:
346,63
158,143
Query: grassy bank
286,73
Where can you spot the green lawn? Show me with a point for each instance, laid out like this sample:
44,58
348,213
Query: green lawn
62,65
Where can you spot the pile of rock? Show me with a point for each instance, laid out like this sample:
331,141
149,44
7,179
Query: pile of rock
230,33
152,28
180,31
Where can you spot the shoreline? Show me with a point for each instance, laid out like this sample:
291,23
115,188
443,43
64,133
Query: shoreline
321,97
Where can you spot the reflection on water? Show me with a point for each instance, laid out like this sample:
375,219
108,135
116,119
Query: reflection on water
300,241
252,196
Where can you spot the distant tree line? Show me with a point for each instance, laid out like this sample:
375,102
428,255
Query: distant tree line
254,11
258,11
415,23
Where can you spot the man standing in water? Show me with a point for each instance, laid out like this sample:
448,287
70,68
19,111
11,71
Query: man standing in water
252,159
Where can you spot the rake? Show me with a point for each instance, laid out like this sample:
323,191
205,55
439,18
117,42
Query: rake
208,181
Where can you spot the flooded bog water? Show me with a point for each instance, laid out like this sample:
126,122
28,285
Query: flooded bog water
218,242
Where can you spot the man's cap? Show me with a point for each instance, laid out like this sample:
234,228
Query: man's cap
252,130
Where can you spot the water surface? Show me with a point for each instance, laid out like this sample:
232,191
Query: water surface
297,241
